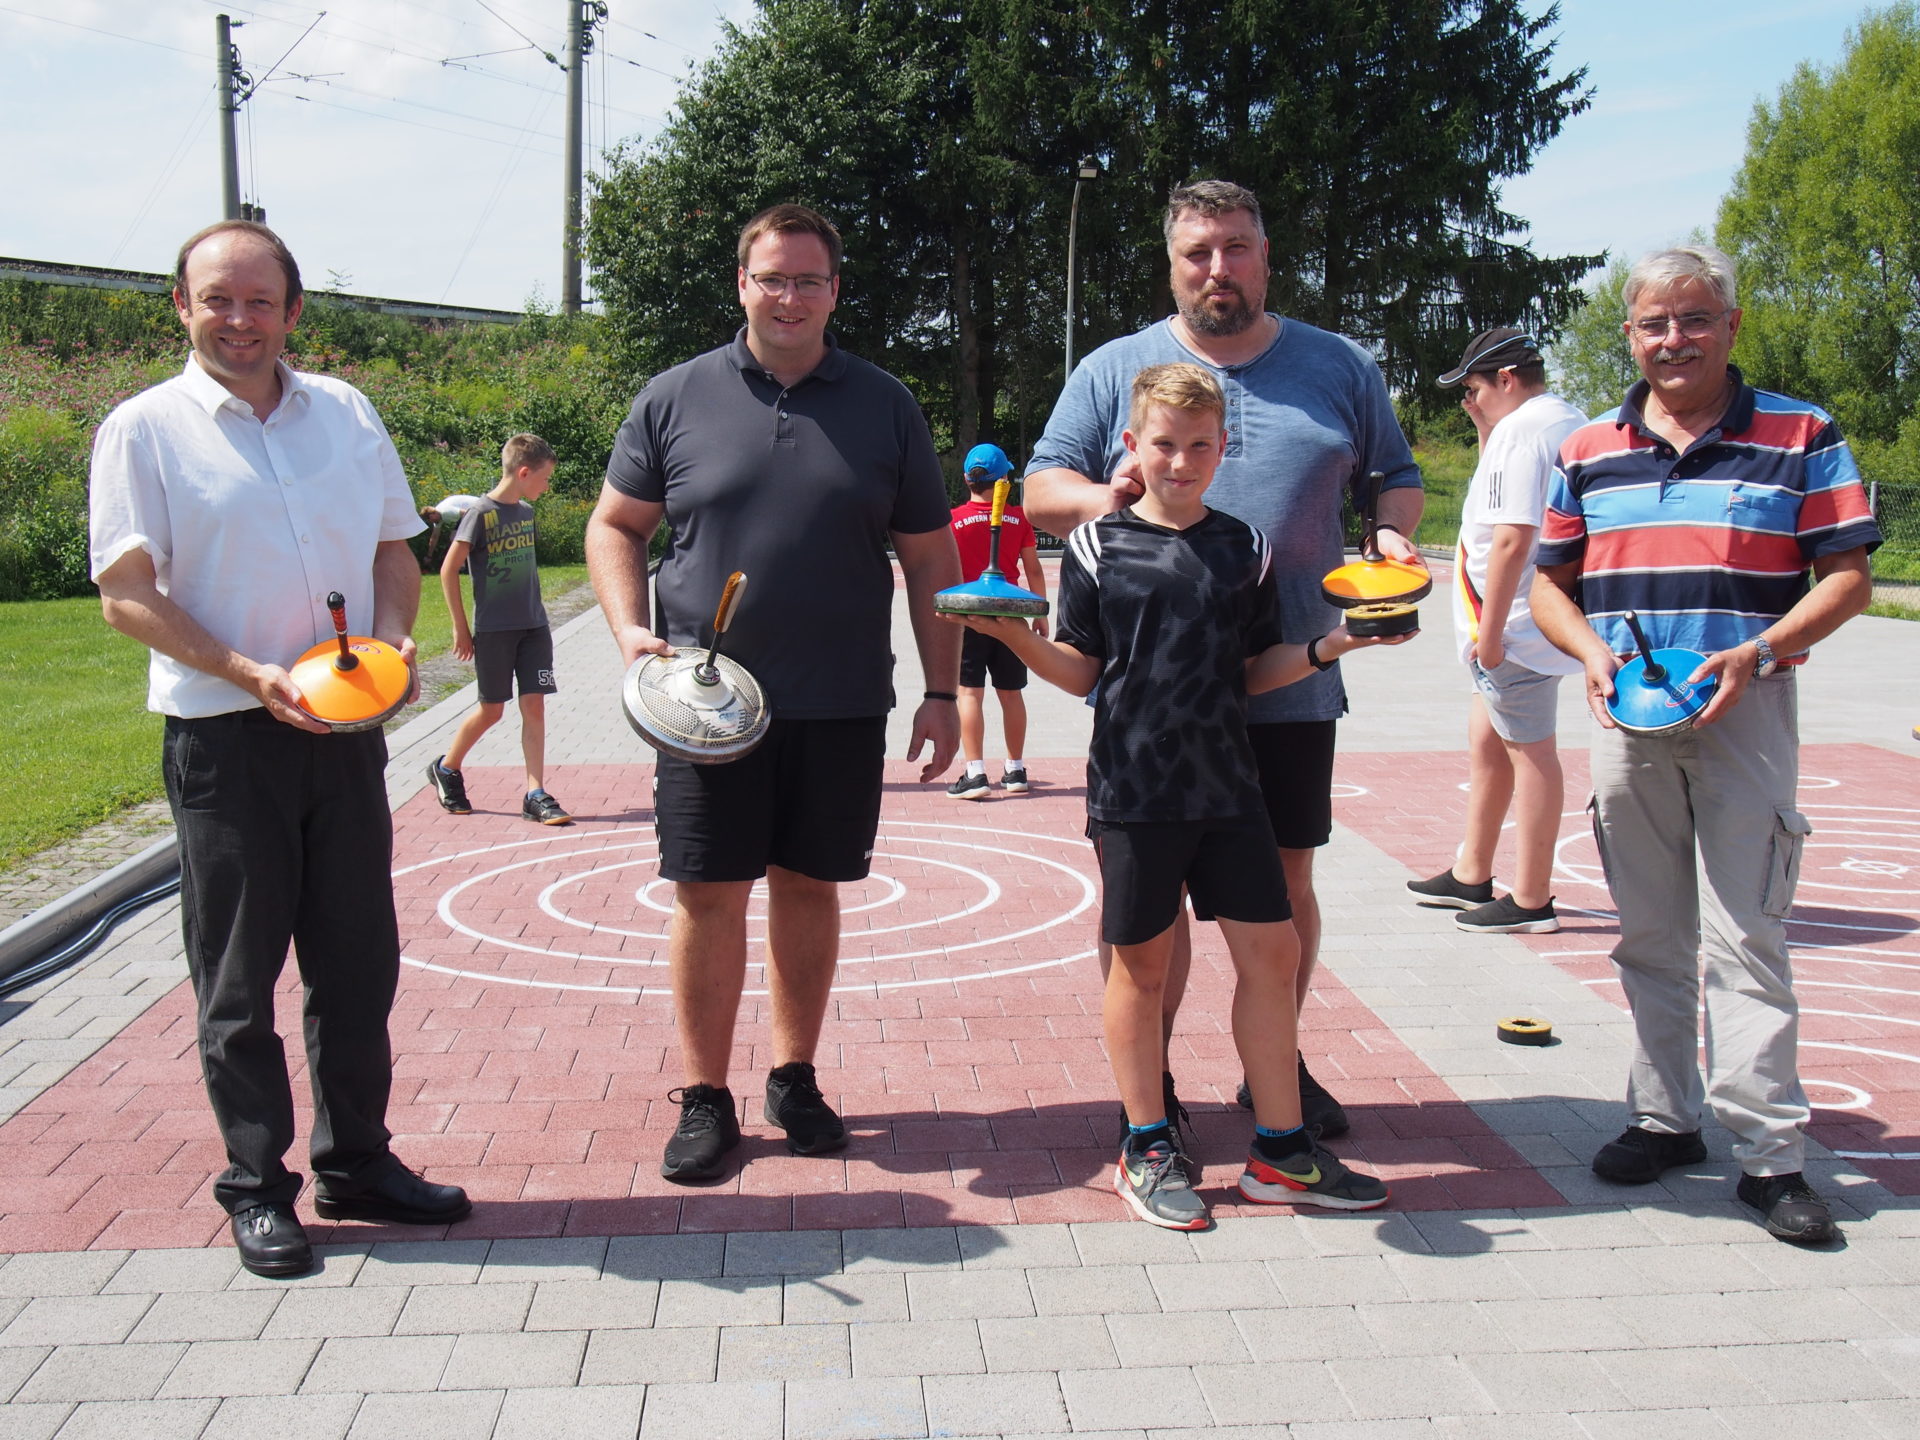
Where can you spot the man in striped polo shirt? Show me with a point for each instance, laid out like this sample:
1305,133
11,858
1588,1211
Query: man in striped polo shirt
1703,503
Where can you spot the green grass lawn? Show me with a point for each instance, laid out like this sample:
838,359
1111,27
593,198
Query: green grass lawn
75,732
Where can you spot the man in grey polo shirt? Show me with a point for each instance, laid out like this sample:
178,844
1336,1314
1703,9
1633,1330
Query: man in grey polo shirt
780,455
1308,419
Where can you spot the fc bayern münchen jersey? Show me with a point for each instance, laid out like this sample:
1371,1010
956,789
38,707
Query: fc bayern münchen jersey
1173,616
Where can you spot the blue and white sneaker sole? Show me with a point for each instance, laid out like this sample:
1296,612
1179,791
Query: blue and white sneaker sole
1125,1192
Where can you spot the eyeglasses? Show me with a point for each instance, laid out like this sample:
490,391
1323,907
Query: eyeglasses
1693,324
810,287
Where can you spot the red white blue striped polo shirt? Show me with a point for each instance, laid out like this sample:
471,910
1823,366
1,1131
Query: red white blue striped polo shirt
1712,545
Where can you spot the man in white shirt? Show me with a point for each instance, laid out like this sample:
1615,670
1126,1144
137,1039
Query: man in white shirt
226,503
1515,670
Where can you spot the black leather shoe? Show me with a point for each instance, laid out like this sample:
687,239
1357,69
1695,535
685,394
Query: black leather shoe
271,1241
1793,1211
1639,1157
400,1196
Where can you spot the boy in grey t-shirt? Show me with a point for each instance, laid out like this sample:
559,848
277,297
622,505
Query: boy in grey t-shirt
510,639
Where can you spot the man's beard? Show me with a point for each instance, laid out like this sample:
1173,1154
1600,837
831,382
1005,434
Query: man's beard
1235,319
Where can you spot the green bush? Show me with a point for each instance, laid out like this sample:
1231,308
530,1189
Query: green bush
562,533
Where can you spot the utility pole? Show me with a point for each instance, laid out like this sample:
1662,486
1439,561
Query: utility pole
576,95
228,60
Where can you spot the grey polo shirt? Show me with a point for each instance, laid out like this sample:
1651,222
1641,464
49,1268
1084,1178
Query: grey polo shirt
797,486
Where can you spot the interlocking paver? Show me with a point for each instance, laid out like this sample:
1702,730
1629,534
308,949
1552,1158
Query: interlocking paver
1544,1325
1094,1402
149,1419
1054,1342
101,1372
240,1367
17,1362
465,1309
343,1311
204,1315
747,1301
1094,1290
424,1262
1830,1420
1346,1279
785,1352
785,1252
995,1404
374,1365
172,1271
547,1358
1679,1378
592,1304
1432,1327
1016,1247
751,1411
1193,1338
875,1296
1829,1370
1654,1424
1409,1385
665,1257
1273,1393
863,1409
76,1320
968,1295
511,1261
1545,1383
285,1417
923,1347
1216,1285
649,1357
598,1412
931,1248
443,1415
82,1273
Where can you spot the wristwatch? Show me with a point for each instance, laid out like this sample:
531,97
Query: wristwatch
1764,662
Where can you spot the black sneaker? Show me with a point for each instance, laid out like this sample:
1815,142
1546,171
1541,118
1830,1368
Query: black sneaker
1639,1157
1319,1111
1013,780
1446,893
795,1104
541,807
1507,916
1793,1211
1315,1176
450,786
970,787
708,1129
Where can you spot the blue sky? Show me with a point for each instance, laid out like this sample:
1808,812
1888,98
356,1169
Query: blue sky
427,180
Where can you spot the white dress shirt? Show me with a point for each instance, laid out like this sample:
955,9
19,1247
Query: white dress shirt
249,522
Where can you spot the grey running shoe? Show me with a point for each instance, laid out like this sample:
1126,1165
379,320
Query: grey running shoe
1447,893
708,1129
450,786
1155,1184
1177,1121
1313,1177
1507,916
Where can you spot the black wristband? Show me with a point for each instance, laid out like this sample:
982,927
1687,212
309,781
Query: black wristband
1313,655
939,695
1383,525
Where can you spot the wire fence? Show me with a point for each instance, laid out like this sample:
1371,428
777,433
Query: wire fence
1896,564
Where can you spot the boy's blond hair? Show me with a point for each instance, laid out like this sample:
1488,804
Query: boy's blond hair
524,449
1179,386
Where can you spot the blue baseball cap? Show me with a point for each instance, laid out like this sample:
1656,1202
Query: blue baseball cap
984,463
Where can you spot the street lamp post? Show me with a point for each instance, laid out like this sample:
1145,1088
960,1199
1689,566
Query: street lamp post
1089,170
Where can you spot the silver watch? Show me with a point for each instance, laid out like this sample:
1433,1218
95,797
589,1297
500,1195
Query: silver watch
1765,663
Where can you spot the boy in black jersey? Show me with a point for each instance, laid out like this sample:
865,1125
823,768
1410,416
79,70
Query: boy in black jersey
1170,608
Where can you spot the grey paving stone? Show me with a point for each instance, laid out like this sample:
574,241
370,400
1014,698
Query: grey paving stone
1346,1279
1432,1327
1662,1424
1693,1269
783,1252
76,1320
744,1301
599,1412
153,1272
1898,1356
1683,1321
424,1262
1507,1427
996,1404
688,1412
1712,1222
664,1257
877,1409
921,1248
85,1272
1600,1227
207,1315
344,1311
519,1262
1420,1429
1557,1274
442,1415
1409,1385
1314,1332
17,1362
1095,1290
374,1365
922,1347
1679,1378
335,1267
1827,1370
219,1368
1016,1247
1897,1419
1357,1233
148,1419
593,1304
1270,1394
1830,1420
101,1372
464,1310
1819,1315
1546,1325
1215,1285
1190,1338
1898,1304
1268,1237
550,1357
284,1417
1475,1232
1480,1277
1055,1342
1128,1242
968,1295
33,1422
785,1352
1094,1402
879,1296
1546,1384
648,1357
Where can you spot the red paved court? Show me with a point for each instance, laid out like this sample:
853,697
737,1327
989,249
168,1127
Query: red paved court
1855,929
535,1047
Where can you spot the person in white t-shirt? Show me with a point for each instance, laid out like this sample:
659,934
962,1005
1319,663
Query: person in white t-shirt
1514,669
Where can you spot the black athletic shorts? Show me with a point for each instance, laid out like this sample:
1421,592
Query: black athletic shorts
502,657
1232,867
808,800
982,655
1296,777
